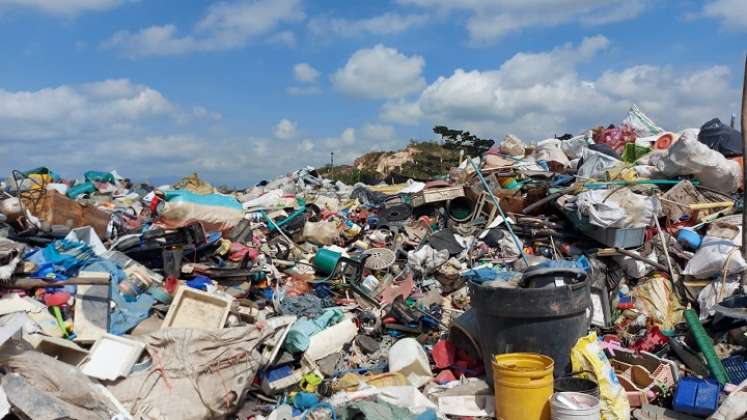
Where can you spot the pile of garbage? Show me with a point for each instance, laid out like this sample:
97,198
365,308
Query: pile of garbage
588,276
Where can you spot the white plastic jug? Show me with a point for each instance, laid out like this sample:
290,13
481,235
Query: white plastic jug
408,357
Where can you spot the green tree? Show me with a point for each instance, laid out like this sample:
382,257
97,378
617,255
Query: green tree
459,139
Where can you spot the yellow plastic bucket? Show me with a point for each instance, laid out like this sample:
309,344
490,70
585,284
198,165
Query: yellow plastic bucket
523,386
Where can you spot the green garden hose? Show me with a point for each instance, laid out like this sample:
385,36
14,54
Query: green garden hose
706,346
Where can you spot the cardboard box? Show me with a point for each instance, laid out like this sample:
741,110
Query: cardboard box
56,209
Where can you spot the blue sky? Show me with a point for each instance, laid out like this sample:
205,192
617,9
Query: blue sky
246,90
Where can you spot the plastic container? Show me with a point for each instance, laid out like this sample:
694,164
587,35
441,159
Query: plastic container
523,386
696,396
325,261
460,209
577,385
408,358
575,406
736,367
689,239
611,237
529,320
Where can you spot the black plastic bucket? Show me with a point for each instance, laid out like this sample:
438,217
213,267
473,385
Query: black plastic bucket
573,384
537,320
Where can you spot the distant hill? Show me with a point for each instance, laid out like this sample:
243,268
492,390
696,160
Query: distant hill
419,160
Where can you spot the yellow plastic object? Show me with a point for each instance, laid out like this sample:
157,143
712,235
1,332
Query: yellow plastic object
588,356
351,381
386,380
523,385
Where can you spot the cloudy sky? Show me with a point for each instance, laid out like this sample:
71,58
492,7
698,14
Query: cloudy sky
243,90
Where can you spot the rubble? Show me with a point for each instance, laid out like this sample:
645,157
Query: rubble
590,276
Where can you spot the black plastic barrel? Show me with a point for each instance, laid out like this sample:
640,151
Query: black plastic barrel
543,320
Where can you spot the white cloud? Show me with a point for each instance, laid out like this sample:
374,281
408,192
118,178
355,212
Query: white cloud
489,20
226,25
285,129
63,7
202,112
540,94
731,13
378,132
380,73
303,90
305,73
118,124
52,112
385,24
401,112
286,38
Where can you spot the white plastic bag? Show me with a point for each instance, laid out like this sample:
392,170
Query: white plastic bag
643,125
408,358
688,156
512,146
714,293
550,150
426,260
620,209
596,164
573,147
634,268
711,257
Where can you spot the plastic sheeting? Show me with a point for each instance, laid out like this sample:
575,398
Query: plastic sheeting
642,124
46,388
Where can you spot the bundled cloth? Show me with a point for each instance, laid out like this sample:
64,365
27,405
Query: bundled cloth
196,374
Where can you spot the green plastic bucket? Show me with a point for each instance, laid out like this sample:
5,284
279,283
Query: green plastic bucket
325,261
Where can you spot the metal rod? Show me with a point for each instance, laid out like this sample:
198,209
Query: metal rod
27,283
500,210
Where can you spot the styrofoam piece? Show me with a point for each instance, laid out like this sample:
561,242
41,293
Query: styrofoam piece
61,349
112,357
87,235
192,308
92,308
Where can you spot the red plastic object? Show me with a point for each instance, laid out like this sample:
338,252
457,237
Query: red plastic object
171,284
651,341
56,299
615,138
444,354
445,377
664,141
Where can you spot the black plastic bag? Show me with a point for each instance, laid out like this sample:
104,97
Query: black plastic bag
721,138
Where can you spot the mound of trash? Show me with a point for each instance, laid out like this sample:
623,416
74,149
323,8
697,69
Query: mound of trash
594,276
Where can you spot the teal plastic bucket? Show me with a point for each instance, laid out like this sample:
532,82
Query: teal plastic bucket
325,261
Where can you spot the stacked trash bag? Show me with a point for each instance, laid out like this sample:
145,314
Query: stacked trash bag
590,276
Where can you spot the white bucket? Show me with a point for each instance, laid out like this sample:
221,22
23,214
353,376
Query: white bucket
574,406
